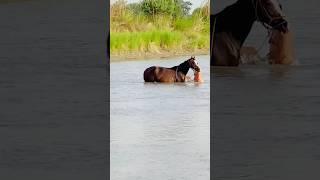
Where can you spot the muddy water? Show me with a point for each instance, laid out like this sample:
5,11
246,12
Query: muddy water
159,131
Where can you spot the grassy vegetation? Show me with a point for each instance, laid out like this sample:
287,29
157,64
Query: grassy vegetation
138,29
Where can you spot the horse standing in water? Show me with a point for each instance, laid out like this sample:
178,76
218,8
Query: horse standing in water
230,27
171,75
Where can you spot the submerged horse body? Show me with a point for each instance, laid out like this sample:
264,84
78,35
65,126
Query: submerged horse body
171,75
231,27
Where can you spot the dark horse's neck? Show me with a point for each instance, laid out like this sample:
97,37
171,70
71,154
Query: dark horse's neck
236,19
183,67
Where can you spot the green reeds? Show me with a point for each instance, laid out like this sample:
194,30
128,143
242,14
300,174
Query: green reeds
144,41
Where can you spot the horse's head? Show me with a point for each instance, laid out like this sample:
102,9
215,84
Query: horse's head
270,12
193,64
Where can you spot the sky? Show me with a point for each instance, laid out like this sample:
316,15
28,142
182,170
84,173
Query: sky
195,3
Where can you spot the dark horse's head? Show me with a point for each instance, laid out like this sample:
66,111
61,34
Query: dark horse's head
269,13
193,64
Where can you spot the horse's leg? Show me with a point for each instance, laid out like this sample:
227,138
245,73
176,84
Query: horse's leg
226,51
181,77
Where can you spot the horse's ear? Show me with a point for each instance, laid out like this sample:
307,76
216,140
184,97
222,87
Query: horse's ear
193,57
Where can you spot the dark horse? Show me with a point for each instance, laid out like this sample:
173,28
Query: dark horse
231,27
170,75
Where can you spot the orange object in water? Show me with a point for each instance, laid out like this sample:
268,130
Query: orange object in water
197,77
281,48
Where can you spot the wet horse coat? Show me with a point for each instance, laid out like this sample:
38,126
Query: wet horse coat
170,75
230,28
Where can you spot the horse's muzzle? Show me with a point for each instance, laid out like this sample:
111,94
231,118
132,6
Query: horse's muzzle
280,24
197,69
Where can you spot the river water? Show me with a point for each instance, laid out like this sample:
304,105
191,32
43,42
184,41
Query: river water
267,118
159,131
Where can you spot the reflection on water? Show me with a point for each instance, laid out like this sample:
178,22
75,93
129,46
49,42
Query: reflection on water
272,71
159,131
266,122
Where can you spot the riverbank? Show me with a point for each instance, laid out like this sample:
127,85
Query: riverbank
134,56
136,33
145,45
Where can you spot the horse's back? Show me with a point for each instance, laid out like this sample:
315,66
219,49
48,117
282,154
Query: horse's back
159,74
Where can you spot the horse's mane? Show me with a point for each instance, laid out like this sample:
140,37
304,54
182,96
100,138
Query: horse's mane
181,64
183,67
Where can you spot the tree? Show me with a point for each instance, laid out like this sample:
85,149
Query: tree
174,8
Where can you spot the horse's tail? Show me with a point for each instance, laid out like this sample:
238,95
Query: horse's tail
149,74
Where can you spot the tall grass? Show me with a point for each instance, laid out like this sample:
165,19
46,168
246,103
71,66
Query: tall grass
134,31
145,41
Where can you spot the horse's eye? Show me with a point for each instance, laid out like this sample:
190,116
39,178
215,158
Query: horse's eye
280,6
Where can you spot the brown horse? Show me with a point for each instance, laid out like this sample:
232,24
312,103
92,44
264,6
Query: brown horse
171,75
230,27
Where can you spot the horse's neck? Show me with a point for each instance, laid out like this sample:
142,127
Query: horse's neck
237,20
183,67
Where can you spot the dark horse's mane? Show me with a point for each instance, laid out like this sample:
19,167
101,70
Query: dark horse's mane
236,19
183,67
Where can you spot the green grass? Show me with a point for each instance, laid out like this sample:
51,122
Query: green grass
134,32
144,41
